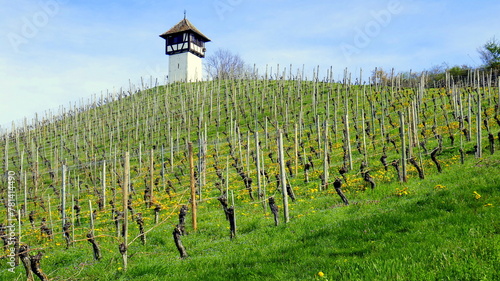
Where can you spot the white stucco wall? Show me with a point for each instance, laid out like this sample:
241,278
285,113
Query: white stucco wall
184,67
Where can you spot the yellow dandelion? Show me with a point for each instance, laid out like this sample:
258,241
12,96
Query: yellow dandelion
477,195
321,274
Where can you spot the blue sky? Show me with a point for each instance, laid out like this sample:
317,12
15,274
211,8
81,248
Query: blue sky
57,52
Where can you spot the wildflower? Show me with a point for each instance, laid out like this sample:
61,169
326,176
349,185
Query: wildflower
321,274
402,192
477,195
488,205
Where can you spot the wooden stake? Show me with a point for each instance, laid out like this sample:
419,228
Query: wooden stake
348,140
50,216
296,150
232,217
103,184
63,196
193,187
6,167
325,160
19,225
257,158
403,144
151,176
25,194
91,218
479,152
171,153
123,247
265,184
73,216
227,175
469,115
283,176
364,136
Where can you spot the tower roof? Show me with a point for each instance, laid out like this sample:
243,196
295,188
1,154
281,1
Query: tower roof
182,26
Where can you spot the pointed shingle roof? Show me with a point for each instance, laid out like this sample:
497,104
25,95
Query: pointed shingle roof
182,26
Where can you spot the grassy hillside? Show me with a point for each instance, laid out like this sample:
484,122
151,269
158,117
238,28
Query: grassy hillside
440,227
438,231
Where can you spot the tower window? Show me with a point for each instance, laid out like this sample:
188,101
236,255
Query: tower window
175,39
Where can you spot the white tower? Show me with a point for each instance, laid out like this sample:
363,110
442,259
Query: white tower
185,45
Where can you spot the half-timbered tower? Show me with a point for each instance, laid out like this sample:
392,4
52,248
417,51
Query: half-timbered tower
185,45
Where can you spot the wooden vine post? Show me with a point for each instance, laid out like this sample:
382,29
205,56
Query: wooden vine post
283,175
469,115
365,154
91,219
36,173
193,187
257,158
123,246
296,149
63,196
324,186
151,176
73,216
348,140
50,217
25,194
479,152
104,184
403,145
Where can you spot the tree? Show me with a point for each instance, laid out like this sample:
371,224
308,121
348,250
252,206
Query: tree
379,76
223,64
436,75
459,71
490,54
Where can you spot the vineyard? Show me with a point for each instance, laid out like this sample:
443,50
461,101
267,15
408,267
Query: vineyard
253,179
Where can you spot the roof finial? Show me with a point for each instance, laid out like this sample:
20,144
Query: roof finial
184,14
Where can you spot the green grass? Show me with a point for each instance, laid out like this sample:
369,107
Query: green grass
431,233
